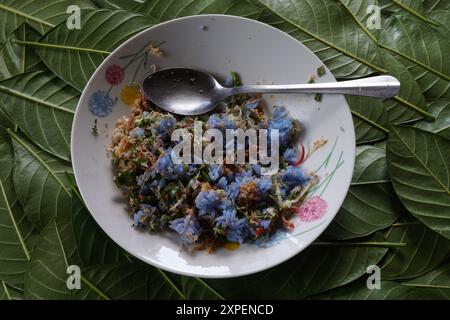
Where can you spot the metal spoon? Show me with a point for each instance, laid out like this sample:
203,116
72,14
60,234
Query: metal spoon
191,92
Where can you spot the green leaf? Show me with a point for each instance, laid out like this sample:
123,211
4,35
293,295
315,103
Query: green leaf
5,124
409,104
13,13
14,58
195,288
441,126
412,7
8,292
418,164
370,166
315,270
369,118
422,50
398,5
55,250
363,16
117,4
389,290
430,5
42,105
166,10
41,183
424,250
15,230
327,30
47,270
73,55
443,19
370,204
126,281
437,279
94,246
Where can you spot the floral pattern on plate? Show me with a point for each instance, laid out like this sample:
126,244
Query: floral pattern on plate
101,102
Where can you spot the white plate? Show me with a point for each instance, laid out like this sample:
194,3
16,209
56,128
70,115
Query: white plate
217,44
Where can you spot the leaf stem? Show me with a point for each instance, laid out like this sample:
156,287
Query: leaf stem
166,277
26,16
417,109
404,224
74,188
33,99
404,56
415,13
369,182
330,44
39,159
13,220
5,288
419,285
58,46
371,36
413,150
94,288
373,123
211,289
360,244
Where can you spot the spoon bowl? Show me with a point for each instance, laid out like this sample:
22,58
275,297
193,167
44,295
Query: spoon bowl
183,91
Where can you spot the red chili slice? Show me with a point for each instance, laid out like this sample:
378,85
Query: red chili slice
258,232
302,156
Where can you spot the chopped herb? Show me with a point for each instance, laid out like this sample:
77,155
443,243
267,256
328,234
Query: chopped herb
124,179
311,79
321,71
318,97
94,129
236,82
235,79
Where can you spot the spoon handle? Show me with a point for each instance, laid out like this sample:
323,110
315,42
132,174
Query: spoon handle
379,87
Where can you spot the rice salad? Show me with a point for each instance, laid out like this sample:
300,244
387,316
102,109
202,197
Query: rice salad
208,205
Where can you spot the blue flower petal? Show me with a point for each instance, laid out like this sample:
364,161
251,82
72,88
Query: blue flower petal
215,172
137,219
165,125
137,132
264,186
291,155
188,228
207,202
293,177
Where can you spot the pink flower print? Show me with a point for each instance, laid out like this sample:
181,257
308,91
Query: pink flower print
114,74
312,209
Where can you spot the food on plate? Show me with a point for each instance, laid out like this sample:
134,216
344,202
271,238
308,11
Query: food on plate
209,204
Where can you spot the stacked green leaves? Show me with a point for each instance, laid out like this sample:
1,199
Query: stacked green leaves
396,214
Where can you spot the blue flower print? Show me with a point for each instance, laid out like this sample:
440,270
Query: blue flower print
100,103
